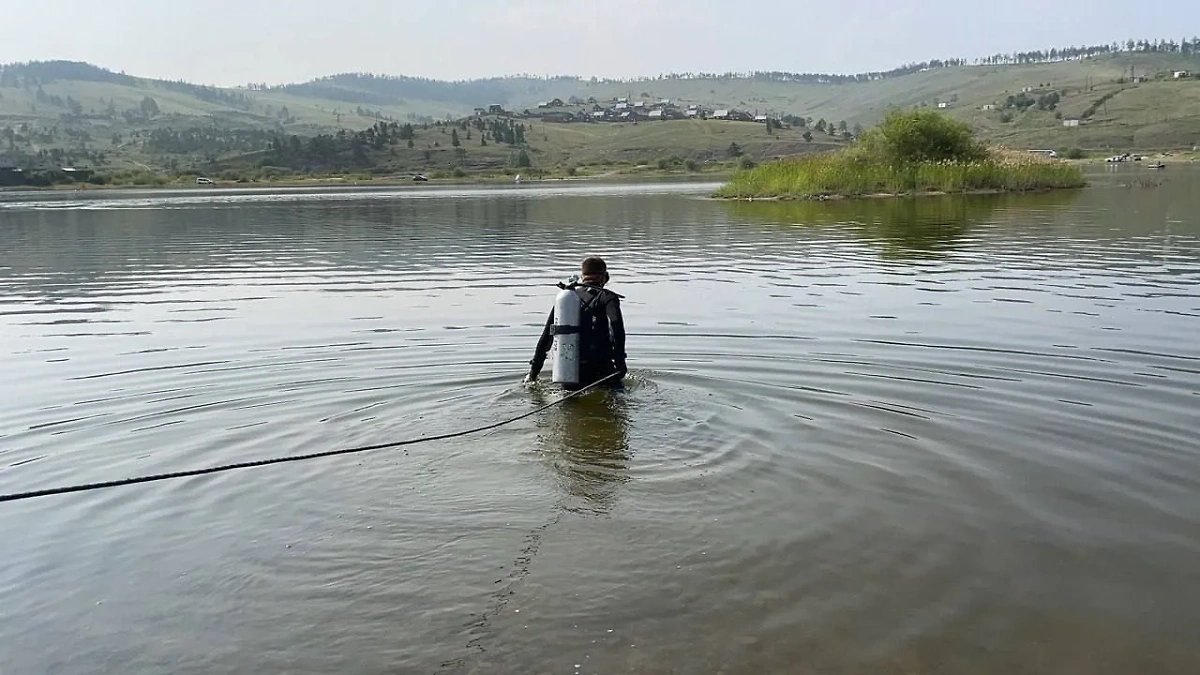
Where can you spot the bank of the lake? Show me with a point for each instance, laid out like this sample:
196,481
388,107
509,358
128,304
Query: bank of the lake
720,172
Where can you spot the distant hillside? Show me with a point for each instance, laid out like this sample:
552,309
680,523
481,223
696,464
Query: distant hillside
1124,96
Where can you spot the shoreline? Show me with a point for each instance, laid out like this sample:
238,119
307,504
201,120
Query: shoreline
886,195
644,172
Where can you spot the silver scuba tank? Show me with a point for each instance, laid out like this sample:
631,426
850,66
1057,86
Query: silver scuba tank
567,315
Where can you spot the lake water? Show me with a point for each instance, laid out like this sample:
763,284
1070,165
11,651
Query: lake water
925,436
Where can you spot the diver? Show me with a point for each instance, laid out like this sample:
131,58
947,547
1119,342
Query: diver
587,330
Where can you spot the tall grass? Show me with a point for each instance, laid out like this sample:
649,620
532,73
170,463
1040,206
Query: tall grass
843,174
908,153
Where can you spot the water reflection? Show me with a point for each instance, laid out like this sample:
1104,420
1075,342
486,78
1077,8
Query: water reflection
911,228
586,442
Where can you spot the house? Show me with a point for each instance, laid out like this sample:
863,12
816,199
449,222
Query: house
621,106
990,106
943,104
1181,74
496,109
1070,123
733,115
692,113
77,174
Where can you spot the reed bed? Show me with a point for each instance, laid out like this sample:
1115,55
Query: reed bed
850,174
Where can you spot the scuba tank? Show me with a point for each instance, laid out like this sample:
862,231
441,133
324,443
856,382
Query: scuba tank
567,314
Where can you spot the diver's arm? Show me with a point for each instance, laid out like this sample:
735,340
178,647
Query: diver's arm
617,322
543,348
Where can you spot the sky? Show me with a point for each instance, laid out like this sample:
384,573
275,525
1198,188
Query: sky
227,42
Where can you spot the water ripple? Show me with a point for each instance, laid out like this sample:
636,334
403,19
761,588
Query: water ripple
891,436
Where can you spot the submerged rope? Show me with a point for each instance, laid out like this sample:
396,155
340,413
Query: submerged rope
293,458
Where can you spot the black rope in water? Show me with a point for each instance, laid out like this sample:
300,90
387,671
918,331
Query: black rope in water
294,458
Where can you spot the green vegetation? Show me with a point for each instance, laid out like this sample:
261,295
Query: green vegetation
1101,100
909,152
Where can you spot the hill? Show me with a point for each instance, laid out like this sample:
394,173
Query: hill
1125,96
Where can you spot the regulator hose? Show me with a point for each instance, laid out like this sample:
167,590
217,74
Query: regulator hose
294,458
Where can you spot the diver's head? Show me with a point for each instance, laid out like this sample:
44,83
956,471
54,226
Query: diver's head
593,271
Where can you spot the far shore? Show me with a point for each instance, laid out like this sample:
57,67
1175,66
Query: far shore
634,172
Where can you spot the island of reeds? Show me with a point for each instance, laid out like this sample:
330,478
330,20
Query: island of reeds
911,152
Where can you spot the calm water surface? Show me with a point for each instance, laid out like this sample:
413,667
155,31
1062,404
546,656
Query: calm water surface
931,436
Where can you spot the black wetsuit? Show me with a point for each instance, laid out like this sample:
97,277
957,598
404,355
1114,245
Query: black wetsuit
601,336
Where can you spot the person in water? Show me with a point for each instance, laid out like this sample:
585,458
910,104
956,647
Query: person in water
601,330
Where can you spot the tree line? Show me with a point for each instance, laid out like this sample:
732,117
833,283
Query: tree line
1185,46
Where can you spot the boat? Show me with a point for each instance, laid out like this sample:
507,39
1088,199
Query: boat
1156,165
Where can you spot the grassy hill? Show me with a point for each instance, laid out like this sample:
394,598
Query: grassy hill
65,113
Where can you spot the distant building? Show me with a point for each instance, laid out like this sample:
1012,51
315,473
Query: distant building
1070,123
495,109
1181,74
80,174
990,106
943,104
720,115
656,114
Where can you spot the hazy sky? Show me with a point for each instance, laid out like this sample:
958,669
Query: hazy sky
230,42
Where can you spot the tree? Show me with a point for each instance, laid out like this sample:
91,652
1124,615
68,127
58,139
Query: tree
148,107
735,150
523,159
842,126
454,138
769,126
909,136
808,136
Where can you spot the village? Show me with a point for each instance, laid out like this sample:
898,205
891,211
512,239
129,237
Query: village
576,110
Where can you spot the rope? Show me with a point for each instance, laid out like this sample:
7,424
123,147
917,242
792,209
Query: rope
293,458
